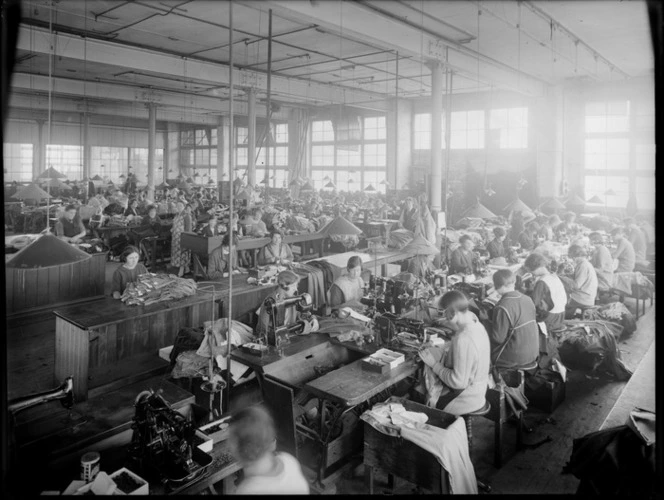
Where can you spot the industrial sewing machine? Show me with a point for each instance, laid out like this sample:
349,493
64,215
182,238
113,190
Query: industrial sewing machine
161,444
279,333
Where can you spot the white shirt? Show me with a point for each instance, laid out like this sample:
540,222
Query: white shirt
289,481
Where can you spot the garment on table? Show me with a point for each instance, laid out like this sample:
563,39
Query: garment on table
613,462
625,255
466,368
289,481
330,271
346,289
603,264
179,256
269,255
187,339
123,276
338,326
550,299
462,262
69,228
496,249
426,226
258,228
585,287
514,334
316,282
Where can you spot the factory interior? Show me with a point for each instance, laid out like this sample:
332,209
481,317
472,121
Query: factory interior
387,247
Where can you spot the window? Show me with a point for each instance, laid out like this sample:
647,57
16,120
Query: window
375,128
278,153
607,154
599,185
68,160
374,177
645,156
422,131
375,155
322,156
138,161
645,193
322,131
511,125
18,162
349,158
607,117
467,130
322,177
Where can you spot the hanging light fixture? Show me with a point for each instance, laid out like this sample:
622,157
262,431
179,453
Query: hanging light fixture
123,176
370,189
330,185
609,192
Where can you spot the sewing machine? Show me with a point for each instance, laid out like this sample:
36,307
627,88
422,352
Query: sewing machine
161,444
277,332
389,295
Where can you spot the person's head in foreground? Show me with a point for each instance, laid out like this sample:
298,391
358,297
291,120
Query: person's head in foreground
536,264
596,239
253,441
130,257
288,281
457,315
499,233
504,281
276,237
466,243
617,234
354,267
70,212
577,253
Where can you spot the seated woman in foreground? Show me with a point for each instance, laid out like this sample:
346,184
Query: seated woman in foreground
220,261
128,272
461,370
349,288
548,292
275,252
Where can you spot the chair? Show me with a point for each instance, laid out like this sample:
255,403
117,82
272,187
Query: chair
498,413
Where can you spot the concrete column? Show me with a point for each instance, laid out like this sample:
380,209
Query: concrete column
39,152
223,139
399,157
87,148
152,141
436,177
167,155
172,160
251,150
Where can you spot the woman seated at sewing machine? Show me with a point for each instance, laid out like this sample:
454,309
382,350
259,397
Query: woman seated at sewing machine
347,290
218,263
457,375
422,266
547,292
128,272
275,252
463,257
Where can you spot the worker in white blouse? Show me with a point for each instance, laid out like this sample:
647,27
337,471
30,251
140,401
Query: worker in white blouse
584,287
348,289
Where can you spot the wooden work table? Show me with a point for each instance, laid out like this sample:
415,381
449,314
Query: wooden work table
105,344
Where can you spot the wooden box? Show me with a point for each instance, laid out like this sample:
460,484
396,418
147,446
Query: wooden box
217,435
143,489
382,361
546,397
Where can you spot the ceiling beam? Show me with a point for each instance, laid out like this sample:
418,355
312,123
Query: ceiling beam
359,22
96,90
38,40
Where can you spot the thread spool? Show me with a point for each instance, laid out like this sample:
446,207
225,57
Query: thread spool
89,466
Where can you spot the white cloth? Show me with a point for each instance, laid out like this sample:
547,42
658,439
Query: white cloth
557,290
289,480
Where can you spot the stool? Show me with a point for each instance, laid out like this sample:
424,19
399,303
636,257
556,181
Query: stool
468,419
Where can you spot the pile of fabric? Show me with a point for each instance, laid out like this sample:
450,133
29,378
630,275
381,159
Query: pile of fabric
399,238
152,288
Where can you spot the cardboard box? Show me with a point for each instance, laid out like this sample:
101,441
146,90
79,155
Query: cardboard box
547,397
143,489
219,434
383,360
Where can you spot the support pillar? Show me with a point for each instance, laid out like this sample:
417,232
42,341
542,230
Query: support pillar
223,166
152,141
436,172
251,149
87,149
39,156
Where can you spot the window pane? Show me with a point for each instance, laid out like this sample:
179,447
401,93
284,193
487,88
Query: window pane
17,162
422,131
242,135
349,158
374,155
322,131
281,132
617,124
595,124
241,157
322,156
645,156
458,139
645,193
280,157
595,108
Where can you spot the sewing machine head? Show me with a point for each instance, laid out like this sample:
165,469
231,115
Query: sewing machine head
278,332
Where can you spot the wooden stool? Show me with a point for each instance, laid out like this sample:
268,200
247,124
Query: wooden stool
468,418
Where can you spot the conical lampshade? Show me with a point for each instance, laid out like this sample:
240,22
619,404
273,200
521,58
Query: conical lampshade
307,187
294,182
51,173
210,181
574,200
163,185
56,183
97,178
552,204
31,192
189,180
610,192
370,188
330,185
123,176
518,206
340,227
595,199
47,251
420,246
478,211
244,194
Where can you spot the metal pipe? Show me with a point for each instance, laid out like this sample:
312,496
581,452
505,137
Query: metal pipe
269,105
231,259
396,121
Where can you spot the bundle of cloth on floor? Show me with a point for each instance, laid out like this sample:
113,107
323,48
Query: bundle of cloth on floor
592,346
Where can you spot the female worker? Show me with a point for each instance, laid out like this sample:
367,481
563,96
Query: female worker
548,293
496,246
128,272
220,261
181,223
584,287
422,265
463,368
349,288
132,208
275,252
602,262
462,257
212,228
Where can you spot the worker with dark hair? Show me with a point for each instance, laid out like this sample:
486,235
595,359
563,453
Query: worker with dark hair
548,293
514,334
70,227
348,288
462,257
624,252
584,285
463,369
221,262
527,238
602,262
128,272
253,439
637,238
496,247
276,251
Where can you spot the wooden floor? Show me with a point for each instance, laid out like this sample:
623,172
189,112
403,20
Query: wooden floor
589,402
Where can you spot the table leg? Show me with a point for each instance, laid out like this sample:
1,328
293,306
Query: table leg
369,478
